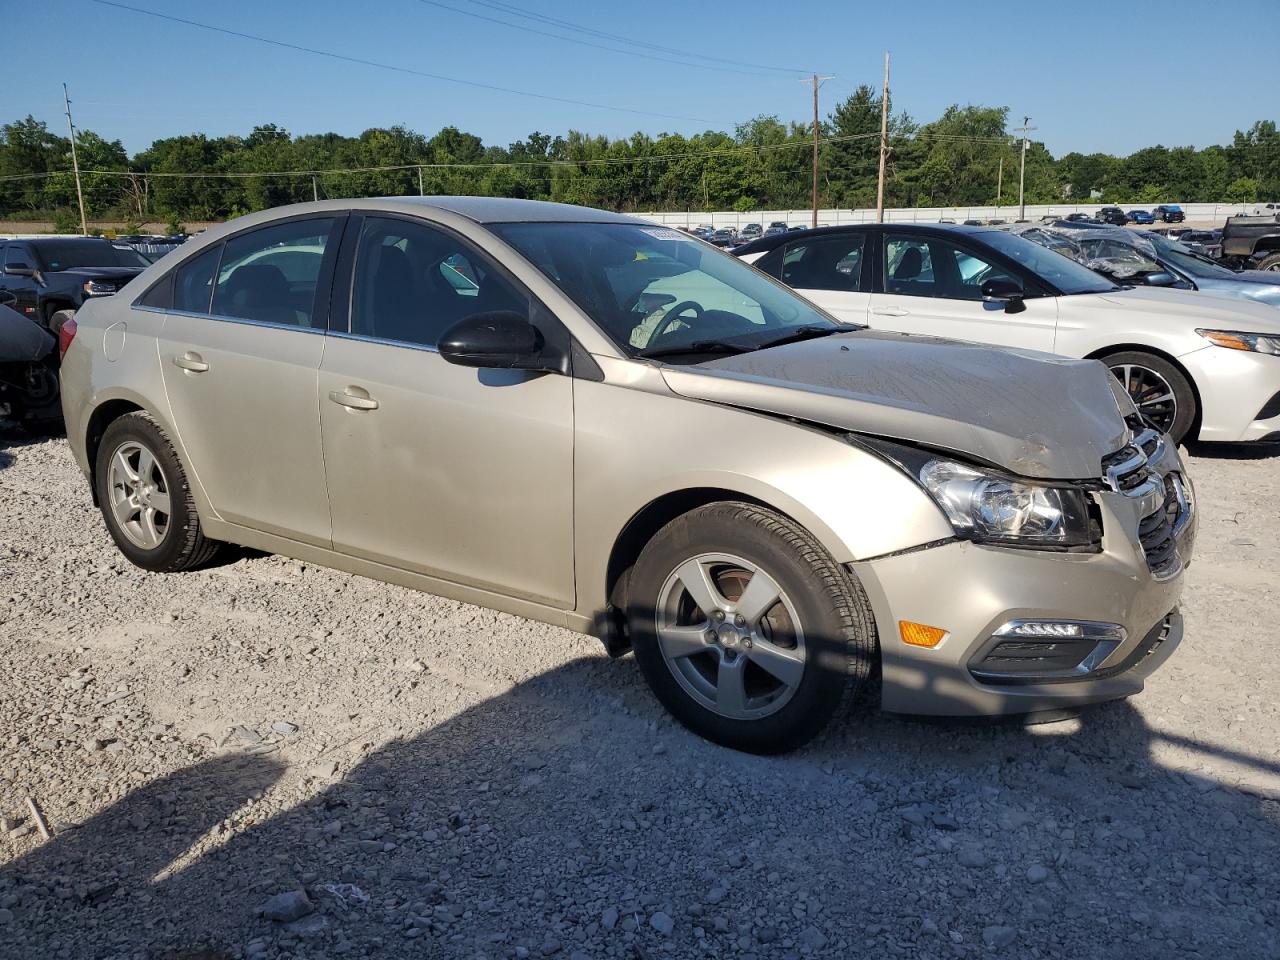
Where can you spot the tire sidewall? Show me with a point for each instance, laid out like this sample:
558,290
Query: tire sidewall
140,429
1185,397
826,635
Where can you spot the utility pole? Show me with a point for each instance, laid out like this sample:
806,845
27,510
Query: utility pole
1022,167
75,162
884,140
817,81
315,189
420,191
1000,183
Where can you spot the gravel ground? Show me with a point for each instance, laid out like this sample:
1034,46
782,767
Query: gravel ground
268,759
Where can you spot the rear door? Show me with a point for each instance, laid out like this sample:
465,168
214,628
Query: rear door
829,271
449,471
932,285
18,292
241,351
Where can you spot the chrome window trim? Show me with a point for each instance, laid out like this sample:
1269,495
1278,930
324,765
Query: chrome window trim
425,348
244,321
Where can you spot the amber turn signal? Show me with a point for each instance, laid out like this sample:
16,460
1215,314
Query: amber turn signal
920,634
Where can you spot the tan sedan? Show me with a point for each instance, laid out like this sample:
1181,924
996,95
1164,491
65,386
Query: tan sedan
582,418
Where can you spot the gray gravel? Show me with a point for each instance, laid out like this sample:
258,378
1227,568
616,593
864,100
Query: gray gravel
268,759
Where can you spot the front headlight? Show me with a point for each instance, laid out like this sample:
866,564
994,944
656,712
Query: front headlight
99,288
991,508
1236,340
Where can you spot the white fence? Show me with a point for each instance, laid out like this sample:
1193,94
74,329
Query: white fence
1197,212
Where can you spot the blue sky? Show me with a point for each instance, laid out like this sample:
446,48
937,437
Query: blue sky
1111,76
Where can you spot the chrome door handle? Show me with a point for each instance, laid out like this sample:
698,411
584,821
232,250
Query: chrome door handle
191,361
890,311
344,399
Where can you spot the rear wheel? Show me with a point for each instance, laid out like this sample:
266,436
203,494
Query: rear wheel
1160,391
1270,262
146,500
746,629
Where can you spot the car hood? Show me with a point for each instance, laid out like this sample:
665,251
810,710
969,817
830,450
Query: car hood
123,274
1257,285
1198,308
1031,413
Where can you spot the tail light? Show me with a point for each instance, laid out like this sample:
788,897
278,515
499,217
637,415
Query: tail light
66,333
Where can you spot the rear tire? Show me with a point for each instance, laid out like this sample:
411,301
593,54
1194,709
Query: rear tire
1147,378
1270,262
146,499
795,639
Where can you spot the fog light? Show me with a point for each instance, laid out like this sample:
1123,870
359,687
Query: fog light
1061,630
920,634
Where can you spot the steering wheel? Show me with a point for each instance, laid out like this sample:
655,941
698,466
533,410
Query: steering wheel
672,315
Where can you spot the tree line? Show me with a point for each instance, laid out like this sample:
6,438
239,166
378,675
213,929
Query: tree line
966,157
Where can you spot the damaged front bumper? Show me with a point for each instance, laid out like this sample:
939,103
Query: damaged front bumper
1028,631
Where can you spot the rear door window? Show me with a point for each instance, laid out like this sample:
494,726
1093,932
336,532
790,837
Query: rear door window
825,264
193,282
270,275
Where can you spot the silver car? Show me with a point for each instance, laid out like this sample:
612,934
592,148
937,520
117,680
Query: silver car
589,420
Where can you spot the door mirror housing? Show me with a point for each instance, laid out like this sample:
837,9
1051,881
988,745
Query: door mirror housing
1004,290
1161,278
500,340
19,269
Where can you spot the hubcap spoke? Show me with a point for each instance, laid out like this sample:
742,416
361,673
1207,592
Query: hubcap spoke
682,641
761,594
697,580
786,665
160,501
146,465
120,466
147,521
731,686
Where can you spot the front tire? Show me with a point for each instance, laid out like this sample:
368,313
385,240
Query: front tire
746,629
146,500
1160,391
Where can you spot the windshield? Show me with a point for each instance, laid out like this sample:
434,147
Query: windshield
1186,261
653,289
70,254
1061,271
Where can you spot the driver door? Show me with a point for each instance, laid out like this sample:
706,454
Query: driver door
933,286
448,471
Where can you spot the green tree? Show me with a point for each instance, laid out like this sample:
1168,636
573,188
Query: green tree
1242,190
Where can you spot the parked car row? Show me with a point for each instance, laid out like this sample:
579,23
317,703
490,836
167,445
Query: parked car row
1194,367
586,419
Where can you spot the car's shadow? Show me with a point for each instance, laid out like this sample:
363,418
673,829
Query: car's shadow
1234,451
564,814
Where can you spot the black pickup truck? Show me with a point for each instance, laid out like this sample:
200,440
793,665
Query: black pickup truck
41,275
1252,243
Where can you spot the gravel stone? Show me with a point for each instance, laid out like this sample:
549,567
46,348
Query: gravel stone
288,906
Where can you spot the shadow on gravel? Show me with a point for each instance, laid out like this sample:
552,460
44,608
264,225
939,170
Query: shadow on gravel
1234,451
527,820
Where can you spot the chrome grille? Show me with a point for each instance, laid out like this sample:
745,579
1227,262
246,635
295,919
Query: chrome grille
1166,499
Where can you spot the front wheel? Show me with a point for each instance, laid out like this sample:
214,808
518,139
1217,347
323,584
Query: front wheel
1159,390
746,629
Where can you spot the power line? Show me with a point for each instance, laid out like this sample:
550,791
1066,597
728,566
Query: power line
510,8
392,67
524,28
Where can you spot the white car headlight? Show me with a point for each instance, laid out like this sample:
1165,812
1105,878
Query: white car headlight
991,508
1237,340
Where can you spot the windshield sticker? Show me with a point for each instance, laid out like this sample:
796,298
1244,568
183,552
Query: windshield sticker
663,233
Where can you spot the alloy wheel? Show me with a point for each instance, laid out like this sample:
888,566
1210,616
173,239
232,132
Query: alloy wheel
139,494
1152,394
731,636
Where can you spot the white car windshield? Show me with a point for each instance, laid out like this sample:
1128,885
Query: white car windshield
655,291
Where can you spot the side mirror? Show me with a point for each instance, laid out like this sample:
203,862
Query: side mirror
1004,290
1161,278
499,340
19,270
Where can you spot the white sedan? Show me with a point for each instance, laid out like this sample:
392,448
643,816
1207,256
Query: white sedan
1196,365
